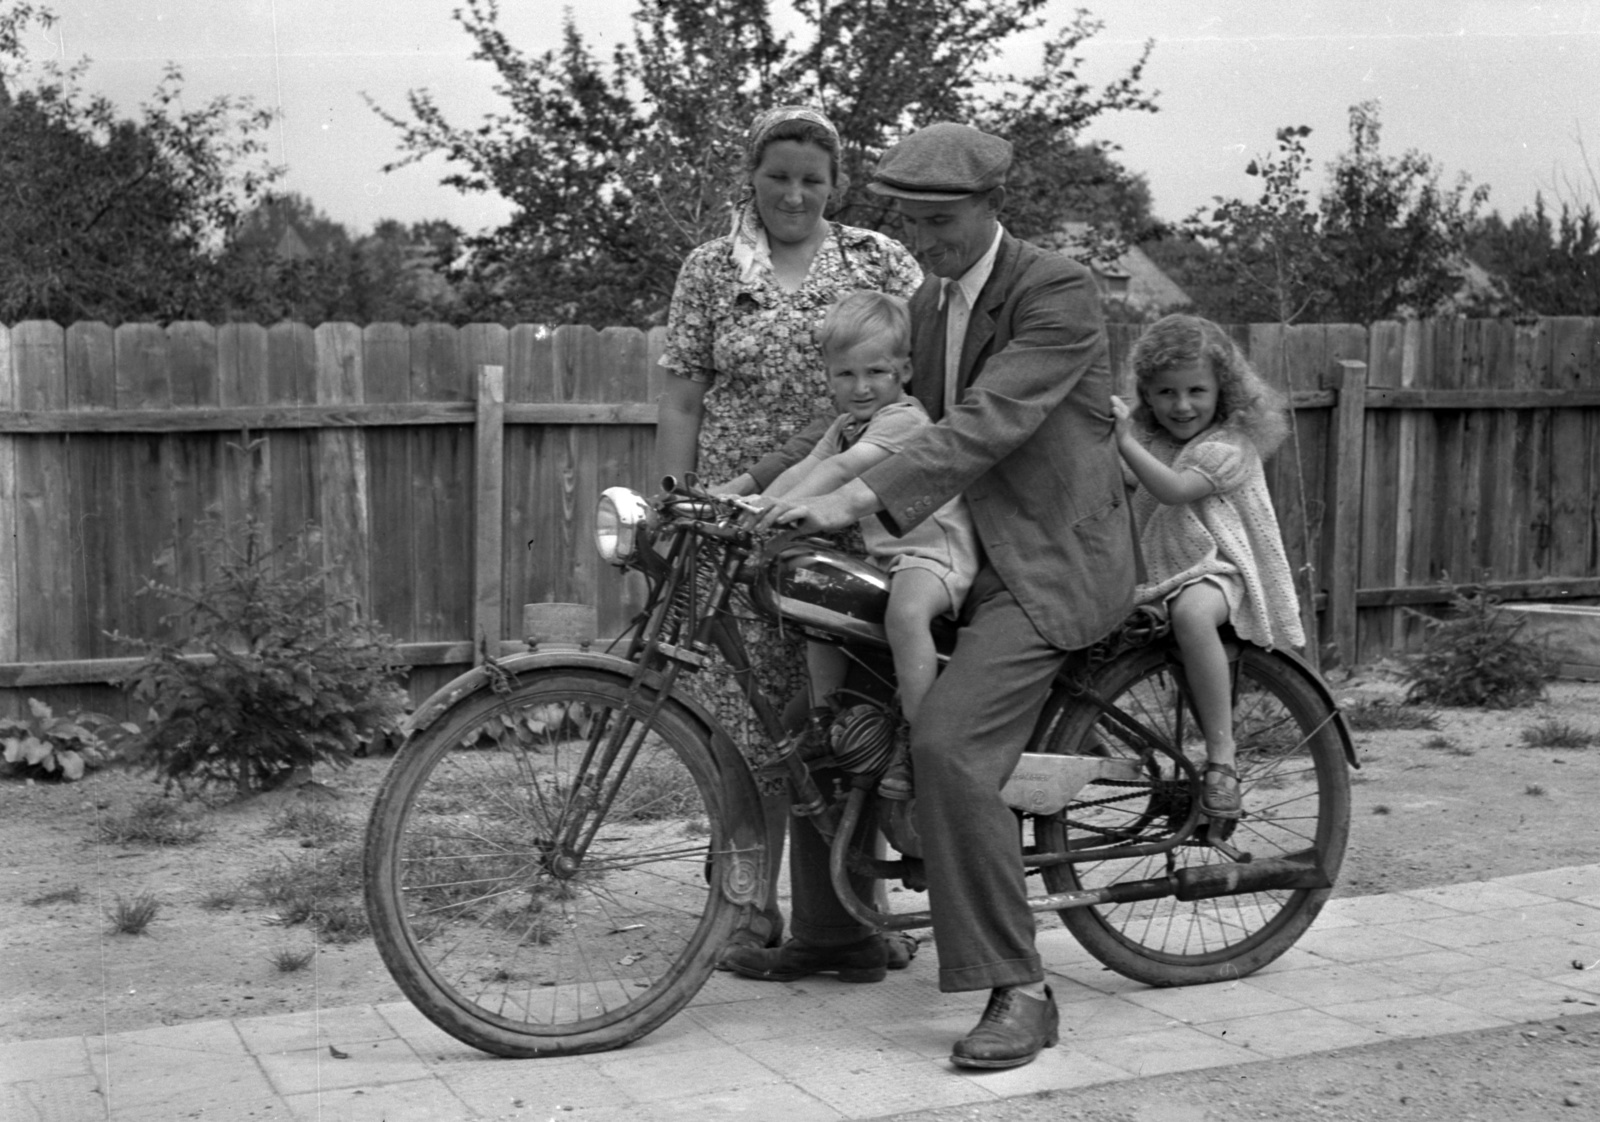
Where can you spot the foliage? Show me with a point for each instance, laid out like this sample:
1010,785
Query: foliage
1395,238
1383,240
1549,268
616,170
112,218
1269,253
290,675
1475,656
288,961
51,747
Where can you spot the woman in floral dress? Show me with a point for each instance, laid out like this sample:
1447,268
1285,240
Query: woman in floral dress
744,372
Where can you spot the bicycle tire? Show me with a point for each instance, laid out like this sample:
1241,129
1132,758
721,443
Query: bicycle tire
492,933
1296,792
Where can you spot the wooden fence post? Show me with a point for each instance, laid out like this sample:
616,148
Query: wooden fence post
488,611
1341,536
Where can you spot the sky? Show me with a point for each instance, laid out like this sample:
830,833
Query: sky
1502,90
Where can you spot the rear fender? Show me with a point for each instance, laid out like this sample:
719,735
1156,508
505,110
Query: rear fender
1314,680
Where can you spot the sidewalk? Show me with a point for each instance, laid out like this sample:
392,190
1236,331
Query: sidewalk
1419,963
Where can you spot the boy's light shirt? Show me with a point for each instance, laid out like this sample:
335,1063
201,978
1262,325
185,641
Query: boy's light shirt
963,296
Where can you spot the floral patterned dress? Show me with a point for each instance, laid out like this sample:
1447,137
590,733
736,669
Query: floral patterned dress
755,345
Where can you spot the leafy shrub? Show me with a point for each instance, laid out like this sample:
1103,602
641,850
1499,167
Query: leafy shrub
1475,656
51,747
289,675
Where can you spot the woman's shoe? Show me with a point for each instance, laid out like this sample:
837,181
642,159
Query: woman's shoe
1219,796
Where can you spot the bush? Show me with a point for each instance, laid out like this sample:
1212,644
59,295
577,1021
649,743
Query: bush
1474,656
51,747
288,674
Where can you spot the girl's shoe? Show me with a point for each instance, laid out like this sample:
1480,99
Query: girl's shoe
1220,792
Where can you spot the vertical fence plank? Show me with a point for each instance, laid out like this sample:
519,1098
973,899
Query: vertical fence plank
625,455
8,512
45,622
480,345
1571,346
91,385
242,358
195,460
292,380
489,502
1380,481
530,377
1531,367
342,509
1341,539
141,531
442,466
386,366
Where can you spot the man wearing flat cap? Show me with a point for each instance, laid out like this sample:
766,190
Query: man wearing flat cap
1009,356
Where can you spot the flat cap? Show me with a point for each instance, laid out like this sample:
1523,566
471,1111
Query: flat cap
941,163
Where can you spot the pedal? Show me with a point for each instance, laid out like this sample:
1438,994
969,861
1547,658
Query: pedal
1226,849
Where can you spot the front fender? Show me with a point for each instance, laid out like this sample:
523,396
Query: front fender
482,677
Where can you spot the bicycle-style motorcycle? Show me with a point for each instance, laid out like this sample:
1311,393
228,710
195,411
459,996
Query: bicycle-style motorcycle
566,839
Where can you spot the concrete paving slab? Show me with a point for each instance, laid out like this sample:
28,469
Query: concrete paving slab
1451,959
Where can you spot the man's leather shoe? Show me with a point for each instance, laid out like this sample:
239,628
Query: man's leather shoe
865,961
1013,1030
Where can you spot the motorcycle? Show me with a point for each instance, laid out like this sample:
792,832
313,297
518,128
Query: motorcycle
566,838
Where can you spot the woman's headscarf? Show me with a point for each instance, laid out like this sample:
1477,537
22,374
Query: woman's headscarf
751,253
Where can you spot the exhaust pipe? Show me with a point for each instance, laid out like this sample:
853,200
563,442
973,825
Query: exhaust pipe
1201,882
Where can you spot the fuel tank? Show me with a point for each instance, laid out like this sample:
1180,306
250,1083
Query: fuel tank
827,591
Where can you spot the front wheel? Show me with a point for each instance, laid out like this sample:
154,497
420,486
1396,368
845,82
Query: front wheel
551,871
1296,792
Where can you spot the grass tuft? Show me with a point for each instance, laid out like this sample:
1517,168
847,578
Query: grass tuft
1446,744
310,822
155,821
1379,716
288,962
1533,789
131,917
72,895
221,899
1551,733
319,889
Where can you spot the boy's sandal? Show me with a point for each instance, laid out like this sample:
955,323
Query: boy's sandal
1219,796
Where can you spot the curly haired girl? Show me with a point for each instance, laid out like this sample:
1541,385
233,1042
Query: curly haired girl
1194,442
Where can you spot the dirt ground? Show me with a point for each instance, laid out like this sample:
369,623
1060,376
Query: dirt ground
1464,801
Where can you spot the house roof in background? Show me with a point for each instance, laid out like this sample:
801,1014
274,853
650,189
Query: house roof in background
1148,287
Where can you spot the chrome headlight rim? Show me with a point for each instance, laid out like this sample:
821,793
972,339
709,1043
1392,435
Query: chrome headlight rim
622,525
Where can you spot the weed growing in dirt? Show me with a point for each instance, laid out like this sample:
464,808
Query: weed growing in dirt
221,899
1381,808
1379,716
311,822
319,889
1551,733
131,917
288,961
1533,789
72,895
1445,744
1475,656
154,821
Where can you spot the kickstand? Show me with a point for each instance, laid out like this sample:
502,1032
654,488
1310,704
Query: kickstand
1223,847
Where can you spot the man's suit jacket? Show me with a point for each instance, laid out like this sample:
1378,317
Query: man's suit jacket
1029,443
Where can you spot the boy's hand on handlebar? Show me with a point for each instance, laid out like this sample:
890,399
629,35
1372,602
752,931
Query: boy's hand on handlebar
816,515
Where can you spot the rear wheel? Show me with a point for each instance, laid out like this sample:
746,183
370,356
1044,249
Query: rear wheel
1296,793
527,902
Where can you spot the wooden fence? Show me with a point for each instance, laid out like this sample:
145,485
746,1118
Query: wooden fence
453,473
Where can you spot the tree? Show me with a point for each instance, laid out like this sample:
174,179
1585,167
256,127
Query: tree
1549,268
115,218
616,170
1397,241
1383,240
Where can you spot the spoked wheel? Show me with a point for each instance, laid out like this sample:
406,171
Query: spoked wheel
1296,793
527,903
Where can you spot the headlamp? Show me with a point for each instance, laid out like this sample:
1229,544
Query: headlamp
621,525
